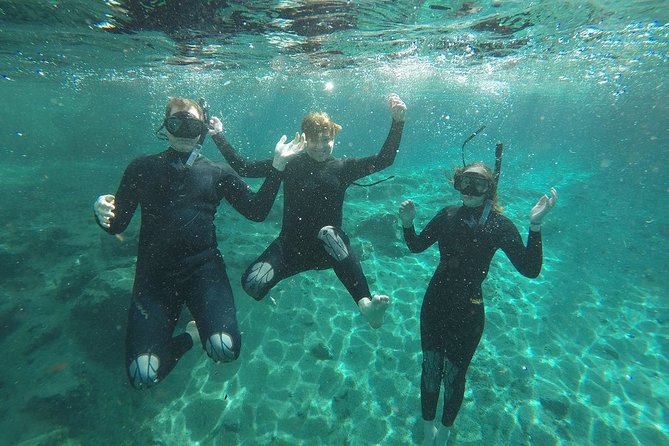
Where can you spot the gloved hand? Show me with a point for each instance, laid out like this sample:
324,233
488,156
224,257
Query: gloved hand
543,207
397,107
284,152
104,209
407,213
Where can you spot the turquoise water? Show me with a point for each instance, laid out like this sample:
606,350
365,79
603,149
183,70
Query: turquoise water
578,93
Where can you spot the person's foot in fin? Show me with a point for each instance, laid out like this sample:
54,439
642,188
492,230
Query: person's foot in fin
191,329
443,434
429,433
374,309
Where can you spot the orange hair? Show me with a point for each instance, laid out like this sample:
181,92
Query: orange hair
317,123
177,102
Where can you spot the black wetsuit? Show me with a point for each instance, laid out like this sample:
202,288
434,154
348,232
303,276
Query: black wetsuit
178,261
312,216
452,314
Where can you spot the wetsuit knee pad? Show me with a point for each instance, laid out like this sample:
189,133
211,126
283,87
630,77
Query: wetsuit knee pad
257,278
433,369
451,375
221,347
143,371
333,243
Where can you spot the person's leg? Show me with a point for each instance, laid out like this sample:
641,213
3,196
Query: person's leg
430,380
347,267
460,348
432,331
212,305
452,390
151,351
273,265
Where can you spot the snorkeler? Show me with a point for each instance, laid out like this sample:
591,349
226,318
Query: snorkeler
452,313
311,236
178,261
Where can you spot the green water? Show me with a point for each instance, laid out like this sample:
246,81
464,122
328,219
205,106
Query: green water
577,91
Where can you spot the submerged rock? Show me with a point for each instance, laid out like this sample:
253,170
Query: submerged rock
320,351
557,408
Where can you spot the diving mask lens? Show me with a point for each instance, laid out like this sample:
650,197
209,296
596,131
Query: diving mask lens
184,125
472,185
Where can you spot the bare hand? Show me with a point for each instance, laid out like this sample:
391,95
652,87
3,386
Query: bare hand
543,207
407,213
397,107
284,152
104,209
215,126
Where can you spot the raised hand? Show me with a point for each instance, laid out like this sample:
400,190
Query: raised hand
284,152
397,107
543,207
215,126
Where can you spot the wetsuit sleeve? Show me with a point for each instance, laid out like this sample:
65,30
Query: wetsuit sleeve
125,200
244,167
357,168
419,243
254,206
527,259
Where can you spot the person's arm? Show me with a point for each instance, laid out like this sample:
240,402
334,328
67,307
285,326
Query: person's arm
113,213
528,259
361,167
417,243
244,167
256,206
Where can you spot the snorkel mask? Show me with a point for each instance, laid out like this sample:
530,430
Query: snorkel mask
184,125
471,183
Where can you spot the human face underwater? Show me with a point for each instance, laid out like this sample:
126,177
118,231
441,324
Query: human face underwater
321,147
181,127
473,186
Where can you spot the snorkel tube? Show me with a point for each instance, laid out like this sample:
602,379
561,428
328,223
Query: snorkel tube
205,116
499,149
469,138
198,147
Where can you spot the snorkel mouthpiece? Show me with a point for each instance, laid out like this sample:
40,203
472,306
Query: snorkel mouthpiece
205,130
